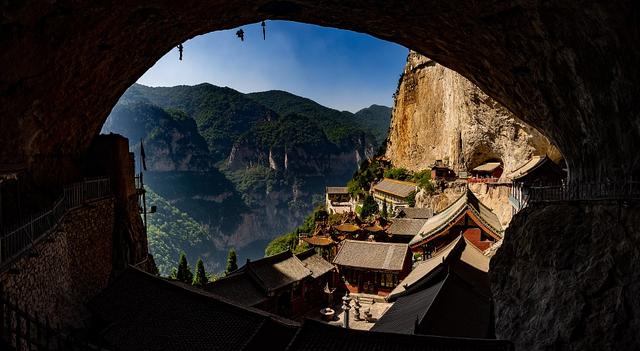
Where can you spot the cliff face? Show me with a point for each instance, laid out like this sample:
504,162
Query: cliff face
441,115
566,277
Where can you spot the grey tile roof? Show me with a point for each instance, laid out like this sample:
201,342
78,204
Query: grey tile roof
406,226
372,255
449,307
315,263
487,167
318,336
467,201
417,213
395,187
276,271
145,312
337,190
238,287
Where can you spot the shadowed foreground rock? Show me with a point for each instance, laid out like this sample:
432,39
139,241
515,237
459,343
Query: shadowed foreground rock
567,277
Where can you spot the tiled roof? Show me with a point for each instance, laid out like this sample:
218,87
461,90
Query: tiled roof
406,226
414,212
316,264
467,201
449,307
373,228
238,287
145,312
337,190
347,227
487,167
459,254
531,165
318,240
395,187
424,268
318,336
372,255
276,271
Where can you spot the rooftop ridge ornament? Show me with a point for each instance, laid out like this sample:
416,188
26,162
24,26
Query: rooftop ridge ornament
264,32
240,34
180,48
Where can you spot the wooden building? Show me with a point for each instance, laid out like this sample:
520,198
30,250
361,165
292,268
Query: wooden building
446,295
466,216
284,284
537,171
324,245
394,192
402,230
338,200
415,213
440,171
487,172
372,267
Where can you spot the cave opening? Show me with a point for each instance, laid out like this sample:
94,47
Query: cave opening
539,60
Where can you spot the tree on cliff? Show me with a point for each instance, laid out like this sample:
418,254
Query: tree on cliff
232,262
369,207
201,276
184,272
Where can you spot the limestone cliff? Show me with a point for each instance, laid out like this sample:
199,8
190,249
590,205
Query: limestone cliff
438,114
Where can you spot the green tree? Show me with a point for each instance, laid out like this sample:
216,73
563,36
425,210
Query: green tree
201,276
384,213
397,173
411,199
423,179
369,207
232,262
183,273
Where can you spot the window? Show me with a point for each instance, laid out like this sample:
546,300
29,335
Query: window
389,280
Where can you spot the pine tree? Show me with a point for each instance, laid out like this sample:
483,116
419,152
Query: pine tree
201,276
369,207
384,213
232,262
184,272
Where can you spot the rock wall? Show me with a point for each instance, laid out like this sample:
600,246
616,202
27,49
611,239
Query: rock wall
438,114
71,266
568,277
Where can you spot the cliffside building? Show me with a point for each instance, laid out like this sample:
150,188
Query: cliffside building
285,284
441,170
338,200
466,216
372,267
487,172
394,192
537,171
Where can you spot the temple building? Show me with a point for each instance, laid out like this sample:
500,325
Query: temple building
338,200
537,171
441,170
487,172
447,295
285,284
402,230
415,213
140,311
372,267
324,245
394,192
466,216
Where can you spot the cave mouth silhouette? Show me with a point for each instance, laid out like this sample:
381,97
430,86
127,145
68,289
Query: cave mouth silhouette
566,68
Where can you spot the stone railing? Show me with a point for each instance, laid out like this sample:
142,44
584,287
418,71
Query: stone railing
585,191
19,240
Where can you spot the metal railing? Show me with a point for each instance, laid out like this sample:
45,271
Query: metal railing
20,239
23,331
586,191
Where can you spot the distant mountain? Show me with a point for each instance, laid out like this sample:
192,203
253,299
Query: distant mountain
244,167
373,120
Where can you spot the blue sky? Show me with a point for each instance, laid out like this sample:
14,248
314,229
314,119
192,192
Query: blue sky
337,68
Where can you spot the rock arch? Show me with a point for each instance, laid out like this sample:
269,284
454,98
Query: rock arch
567,68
